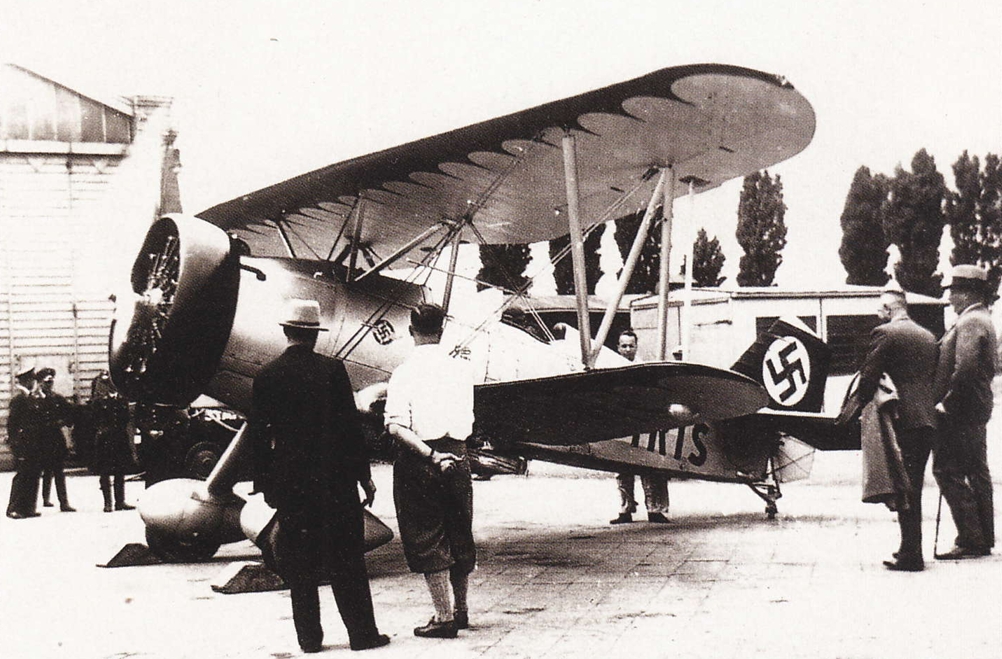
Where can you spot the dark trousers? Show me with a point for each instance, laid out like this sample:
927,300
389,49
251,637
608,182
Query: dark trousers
106,485
24,487
915,444
54,472
310,552
961,469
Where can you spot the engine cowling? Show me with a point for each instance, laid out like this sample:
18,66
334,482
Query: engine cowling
168,336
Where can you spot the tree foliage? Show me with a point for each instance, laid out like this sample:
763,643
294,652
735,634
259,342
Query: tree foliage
761,229
974,213
864,246
708,260
503,266
645,273
563,270
913,219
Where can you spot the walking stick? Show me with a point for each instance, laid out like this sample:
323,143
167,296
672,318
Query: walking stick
935,540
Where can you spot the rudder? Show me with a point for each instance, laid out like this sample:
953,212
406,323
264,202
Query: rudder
791,361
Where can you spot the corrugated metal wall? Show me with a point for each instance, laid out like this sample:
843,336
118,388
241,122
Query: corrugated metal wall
43,315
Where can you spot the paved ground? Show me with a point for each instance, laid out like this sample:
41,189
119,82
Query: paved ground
555,580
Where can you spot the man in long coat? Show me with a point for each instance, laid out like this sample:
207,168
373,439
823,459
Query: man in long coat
25,448
906,352
309,461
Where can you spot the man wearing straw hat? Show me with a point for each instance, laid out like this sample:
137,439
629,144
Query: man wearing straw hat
309,460
963,386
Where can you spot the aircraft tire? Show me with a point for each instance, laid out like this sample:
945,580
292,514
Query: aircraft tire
201,459
172,549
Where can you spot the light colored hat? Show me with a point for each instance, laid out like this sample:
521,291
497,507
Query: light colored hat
26,367
304,314
969,276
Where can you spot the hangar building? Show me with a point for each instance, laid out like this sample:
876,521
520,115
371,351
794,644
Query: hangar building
81,178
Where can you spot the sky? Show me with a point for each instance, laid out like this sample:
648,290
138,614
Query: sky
265,90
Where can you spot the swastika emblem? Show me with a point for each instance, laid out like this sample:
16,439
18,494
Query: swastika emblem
383,332
786,371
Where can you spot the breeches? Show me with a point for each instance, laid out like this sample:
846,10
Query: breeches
435,511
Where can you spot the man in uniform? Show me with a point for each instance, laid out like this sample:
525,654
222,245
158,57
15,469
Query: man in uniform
655,485
429,410
967,365
309,461
24,447
53,416
906,352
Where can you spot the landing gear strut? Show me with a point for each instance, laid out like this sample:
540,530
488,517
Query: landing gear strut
768,490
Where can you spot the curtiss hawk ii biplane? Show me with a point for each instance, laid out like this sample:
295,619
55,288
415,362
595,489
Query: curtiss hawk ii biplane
207,291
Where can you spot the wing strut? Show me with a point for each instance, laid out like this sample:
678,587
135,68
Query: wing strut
400,253
689,233
355,237
451,276
663,278
279,224
631,261
577,246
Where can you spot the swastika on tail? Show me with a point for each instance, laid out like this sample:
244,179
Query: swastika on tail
786,371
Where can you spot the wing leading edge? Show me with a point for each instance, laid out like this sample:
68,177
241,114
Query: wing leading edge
602,404
711,122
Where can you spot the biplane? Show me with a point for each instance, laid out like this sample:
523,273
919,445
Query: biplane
358,236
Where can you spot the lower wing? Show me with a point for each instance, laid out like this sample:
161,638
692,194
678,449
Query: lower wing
602,404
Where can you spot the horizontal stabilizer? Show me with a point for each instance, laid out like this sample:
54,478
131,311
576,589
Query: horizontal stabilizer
813,428
602,404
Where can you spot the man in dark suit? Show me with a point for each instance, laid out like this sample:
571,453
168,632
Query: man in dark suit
967,366
906,352
309,461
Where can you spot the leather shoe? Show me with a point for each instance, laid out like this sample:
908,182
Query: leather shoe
13,514
47,504
377,641
658,518
124,506
624,518
67,509
435,629
898,565
462,619
311,649
959,552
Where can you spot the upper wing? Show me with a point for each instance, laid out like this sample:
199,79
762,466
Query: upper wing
711,122
616,402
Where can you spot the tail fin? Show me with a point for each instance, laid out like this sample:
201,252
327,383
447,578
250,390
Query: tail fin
791,362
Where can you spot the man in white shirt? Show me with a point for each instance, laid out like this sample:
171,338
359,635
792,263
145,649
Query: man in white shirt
429,410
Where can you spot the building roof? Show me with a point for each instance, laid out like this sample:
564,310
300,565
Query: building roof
116,103
707,295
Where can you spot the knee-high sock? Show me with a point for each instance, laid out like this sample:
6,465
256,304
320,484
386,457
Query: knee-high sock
438,586
460,585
